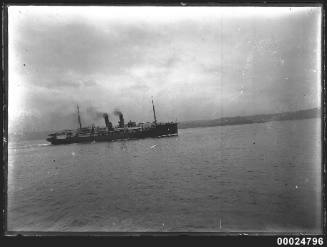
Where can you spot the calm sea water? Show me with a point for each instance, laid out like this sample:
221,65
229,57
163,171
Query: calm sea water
258,177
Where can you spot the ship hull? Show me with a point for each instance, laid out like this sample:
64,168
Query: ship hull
160,130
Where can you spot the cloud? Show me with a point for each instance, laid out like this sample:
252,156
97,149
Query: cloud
200,63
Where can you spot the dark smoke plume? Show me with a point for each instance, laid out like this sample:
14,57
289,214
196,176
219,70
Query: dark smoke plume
121,118
117,112
93,113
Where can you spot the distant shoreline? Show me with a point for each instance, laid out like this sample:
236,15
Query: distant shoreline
238,120
262,118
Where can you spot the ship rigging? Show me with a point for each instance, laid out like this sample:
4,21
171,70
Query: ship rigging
123,131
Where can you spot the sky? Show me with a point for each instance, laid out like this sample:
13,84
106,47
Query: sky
196,62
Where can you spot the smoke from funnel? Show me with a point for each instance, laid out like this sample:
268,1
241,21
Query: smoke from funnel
93,114
99,115
117,112
121,118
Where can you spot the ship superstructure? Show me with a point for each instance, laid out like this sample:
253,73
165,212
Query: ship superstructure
123,131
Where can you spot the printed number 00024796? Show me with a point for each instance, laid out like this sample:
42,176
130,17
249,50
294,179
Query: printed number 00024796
300,241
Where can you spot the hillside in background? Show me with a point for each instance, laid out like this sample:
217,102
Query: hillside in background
303,114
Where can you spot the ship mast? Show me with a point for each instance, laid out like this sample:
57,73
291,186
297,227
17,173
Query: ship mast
154,113
79,118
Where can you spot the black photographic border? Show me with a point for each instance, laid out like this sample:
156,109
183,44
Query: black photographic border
238,238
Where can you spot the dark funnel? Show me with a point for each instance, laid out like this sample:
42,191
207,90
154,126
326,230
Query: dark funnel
121,121
106,119
121,118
